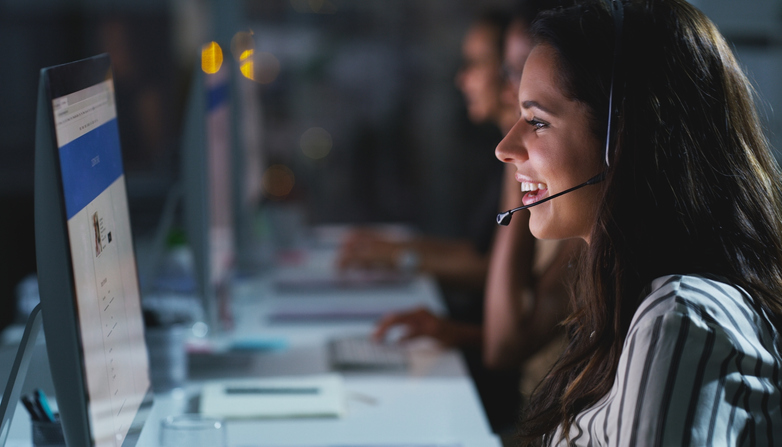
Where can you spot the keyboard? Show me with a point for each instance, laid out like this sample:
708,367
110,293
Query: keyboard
361,352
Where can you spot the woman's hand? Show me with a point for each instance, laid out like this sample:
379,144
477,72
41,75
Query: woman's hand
421,322
365,249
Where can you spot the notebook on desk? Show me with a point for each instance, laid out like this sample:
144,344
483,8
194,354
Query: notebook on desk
280,397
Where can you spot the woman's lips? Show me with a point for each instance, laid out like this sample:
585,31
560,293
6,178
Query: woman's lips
533,192
533,196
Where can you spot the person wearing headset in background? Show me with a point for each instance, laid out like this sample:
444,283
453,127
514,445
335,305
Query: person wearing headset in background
675,333
526,290
526,295
459,265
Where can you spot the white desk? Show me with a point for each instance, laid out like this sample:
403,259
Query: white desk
381,411
432,403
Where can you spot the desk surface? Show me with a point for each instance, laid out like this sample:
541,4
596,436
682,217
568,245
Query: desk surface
432,403
381,411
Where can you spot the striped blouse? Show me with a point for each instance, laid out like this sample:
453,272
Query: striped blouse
700,366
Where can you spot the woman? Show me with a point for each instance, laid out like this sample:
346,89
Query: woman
674,339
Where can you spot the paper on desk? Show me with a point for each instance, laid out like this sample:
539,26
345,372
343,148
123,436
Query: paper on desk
282,397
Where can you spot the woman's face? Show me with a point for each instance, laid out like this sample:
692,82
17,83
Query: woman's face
480,78
553,149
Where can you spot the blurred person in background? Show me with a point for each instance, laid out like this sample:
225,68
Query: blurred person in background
459,265
455,263
526,295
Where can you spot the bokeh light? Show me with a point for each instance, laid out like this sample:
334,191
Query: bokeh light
247,65
278,180
211,58
241,43
266,66
316,143
247,68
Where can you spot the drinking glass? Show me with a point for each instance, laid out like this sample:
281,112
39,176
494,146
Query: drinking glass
192,430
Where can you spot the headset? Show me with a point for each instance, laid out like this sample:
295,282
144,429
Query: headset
617,10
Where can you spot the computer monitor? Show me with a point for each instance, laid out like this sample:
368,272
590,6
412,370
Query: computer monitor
86,264
206,178
249,162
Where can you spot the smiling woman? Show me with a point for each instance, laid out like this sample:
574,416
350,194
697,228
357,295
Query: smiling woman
553,149
674,339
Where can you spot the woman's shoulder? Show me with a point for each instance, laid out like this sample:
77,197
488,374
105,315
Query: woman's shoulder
699,363
707,302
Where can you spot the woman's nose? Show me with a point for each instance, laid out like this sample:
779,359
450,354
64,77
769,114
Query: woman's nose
511,148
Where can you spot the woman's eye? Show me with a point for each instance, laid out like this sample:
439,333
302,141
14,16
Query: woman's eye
536,124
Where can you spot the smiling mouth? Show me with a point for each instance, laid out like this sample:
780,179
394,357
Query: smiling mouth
534,192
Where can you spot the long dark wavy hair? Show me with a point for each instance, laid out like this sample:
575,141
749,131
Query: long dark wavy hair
692,187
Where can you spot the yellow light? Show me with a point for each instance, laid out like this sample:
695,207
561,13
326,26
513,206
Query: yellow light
316,143
241,43
248,69
245,54
278,180
211,58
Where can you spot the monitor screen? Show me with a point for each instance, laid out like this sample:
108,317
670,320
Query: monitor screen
102,307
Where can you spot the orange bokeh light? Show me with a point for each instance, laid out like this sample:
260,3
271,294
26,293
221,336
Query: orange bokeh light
278,180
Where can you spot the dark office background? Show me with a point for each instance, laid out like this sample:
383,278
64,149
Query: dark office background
376,74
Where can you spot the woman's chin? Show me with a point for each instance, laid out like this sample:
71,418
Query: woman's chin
538,229
544,228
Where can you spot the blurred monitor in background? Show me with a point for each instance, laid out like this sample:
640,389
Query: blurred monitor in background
207,171
249,164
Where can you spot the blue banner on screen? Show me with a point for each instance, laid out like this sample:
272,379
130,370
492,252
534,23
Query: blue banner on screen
97,152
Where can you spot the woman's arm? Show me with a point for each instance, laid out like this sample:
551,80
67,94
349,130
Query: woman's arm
454,262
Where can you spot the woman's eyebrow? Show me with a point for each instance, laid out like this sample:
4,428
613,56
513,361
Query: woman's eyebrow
534,104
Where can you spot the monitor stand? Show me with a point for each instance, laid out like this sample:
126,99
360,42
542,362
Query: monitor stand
13,389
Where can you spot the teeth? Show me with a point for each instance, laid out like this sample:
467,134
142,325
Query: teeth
530,186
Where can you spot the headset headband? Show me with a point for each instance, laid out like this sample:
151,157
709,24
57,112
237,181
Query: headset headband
617,9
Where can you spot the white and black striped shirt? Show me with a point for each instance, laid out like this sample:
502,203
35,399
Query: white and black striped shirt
699,367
